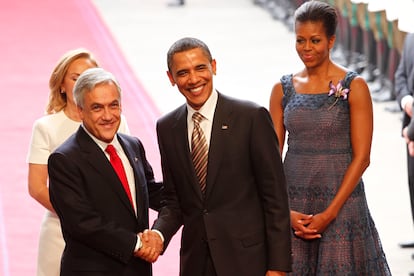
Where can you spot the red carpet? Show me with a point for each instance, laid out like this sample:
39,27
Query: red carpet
34,34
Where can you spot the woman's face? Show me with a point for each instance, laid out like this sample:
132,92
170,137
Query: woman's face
74,70
312,43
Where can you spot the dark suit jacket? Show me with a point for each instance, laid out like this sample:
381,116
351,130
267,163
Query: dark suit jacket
404,75
98,222
244,217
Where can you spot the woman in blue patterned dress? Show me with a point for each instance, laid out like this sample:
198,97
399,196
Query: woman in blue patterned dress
327,112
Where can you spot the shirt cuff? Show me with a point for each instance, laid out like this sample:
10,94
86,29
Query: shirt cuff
138,245
404,100
159,233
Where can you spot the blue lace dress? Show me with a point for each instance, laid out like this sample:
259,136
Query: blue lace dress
319,152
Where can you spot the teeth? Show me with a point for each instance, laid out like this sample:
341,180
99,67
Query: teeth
197,89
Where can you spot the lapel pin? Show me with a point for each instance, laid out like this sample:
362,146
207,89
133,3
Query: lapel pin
136,159
224,127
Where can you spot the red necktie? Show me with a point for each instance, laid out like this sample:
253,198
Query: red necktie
116,163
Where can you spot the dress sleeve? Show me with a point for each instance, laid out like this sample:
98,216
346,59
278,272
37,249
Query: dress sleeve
350,75
287,86
39,149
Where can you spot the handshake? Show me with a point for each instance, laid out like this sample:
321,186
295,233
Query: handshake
151,246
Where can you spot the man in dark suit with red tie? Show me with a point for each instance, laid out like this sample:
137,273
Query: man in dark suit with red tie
101,216
236,219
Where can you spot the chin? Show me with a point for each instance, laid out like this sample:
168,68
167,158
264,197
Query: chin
108,137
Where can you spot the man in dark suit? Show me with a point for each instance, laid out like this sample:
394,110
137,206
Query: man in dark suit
101,216
404,89
237,221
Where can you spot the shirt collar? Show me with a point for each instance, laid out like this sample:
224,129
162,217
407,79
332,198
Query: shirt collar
207,110
102,144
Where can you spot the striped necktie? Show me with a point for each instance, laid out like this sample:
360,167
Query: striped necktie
199,151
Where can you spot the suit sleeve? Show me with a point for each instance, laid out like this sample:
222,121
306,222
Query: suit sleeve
272,188
155,189
401,74
410,129
82,223
169,218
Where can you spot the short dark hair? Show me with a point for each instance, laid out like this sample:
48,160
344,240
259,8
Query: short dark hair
185,44
317,11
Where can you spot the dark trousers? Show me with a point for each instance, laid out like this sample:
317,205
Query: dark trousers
410,167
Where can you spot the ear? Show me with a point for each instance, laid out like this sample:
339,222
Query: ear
170,76
213,66
80,111
62,89
331,42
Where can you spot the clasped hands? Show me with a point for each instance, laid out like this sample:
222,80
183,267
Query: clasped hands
308,227
152,246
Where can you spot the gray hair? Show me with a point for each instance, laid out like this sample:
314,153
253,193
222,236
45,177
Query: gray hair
88,80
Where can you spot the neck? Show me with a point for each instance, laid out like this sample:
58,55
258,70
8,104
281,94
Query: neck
72,113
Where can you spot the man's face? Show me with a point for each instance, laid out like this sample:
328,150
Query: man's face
101,114
193,74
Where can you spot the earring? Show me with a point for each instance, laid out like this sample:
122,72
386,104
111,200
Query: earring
62,92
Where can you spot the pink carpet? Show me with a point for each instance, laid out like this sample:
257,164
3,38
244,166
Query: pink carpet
34,34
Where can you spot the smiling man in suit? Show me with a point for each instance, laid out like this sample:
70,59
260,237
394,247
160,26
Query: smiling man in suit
229,194
103,212
404,89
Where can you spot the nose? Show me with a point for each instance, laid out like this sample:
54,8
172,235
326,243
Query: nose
193,78
107,113
307,45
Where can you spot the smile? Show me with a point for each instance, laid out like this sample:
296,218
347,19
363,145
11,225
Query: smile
196,89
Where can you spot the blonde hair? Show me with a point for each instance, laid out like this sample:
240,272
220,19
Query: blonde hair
57,100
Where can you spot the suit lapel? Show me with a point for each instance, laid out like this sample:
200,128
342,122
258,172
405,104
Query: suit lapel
182,150
136,164
97,159
220,135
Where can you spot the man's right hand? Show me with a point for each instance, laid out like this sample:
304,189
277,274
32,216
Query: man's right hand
152,246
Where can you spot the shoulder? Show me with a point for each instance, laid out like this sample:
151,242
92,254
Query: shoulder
277,91
409,39
350,79
359,91
242,103
173,116
69,146
242,109
240,106
284,80
126,138
284,86
356,81
131,142
49,121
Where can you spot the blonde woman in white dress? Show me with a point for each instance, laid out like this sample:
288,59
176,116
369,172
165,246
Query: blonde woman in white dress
61,121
